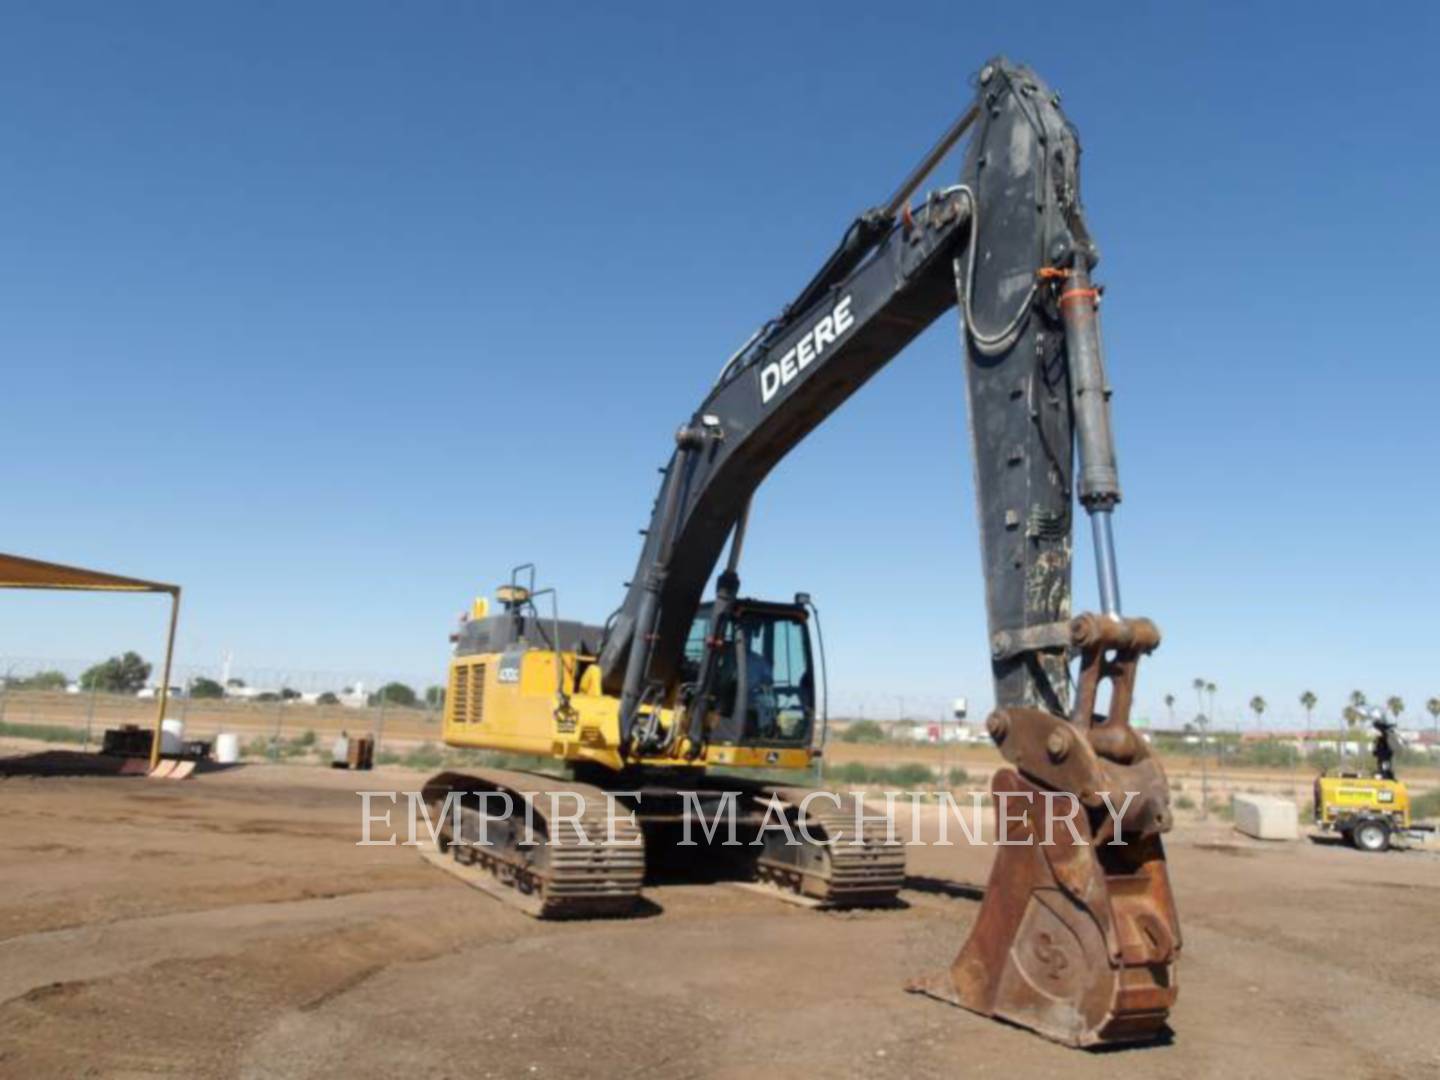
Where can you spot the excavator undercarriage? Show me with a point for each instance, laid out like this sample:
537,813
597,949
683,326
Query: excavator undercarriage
555,848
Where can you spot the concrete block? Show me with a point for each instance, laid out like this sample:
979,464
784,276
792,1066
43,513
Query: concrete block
1265,817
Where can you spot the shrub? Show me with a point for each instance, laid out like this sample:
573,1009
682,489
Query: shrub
1426,805
866,731
43,732
327,698
425,756
41,680
1184,802
1267,755
202,687
851,772
910,774
394,693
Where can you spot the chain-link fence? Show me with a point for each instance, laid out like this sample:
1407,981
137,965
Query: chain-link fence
275,712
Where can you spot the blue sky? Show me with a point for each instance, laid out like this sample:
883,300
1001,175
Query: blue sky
334,312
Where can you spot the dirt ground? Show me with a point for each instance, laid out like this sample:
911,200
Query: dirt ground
229,925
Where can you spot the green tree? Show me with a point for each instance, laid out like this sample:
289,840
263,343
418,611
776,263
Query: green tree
395,693
435,696
41,680
201,687
287,694
119,675
327,698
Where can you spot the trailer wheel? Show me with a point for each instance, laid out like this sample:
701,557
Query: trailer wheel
1371,836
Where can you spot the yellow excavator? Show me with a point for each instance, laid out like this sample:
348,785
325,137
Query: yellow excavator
672,711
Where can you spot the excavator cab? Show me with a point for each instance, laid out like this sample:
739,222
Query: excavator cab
765,682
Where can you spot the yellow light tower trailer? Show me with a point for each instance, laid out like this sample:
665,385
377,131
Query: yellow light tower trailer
1366,811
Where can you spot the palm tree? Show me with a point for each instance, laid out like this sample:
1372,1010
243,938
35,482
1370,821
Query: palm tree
1308,701
1257,706
1433,708
1210,690
1396,704
1202,724
1170,705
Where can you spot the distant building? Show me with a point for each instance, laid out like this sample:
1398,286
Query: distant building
248,693
936,733
354,697
147,692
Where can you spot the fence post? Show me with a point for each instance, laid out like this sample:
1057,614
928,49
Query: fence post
5,692
90,717
279,723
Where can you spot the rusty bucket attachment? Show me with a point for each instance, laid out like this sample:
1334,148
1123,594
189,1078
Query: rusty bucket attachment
1077,937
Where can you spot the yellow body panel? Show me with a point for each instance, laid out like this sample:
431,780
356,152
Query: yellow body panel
1340,797
507,702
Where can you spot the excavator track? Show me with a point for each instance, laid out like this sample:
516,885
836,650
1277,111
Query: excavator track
834,871
573,861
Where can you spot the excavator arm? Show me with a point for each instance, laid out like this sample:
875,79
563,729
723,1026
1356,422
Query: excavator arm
1077,938
1009,246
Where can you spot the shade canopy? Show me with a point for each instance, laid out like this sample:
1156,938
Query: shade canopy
17,572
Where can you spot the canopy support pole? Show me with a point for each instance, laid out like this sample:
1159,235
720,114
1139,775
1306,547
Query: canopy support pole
163,696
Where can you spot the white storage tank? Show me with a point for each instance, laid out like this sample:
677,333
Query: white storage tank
172,736
227,748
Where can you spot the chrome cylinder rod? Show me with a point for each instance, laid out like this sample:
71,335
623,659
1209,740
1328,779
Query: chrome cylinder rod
1105,567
